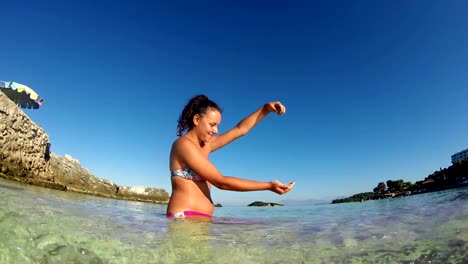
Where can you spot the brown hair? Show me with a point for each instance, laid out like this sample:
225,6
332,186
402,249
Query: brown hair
199,104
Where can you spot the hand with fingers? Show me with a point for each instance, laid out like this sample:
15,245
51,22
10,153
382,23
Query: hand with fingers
276,107
281,188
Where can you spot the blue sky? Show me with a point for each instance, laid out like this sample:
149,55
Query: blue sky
374,90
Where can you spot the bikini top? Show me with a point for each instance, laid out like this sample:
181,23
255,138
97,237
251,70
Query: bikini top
186,173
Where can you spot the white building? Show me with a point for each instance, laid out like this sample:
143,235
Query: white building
460,155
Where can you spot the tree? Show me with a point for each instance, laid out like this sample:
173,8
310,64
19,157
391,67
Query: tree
381,187
407,185
395,186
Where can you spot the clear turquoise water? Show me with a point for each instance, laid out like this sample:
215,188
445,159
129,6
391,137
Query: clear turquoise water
44,226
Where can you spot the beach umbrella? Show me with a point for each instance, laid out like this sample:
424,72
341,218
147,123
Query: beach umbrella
21,94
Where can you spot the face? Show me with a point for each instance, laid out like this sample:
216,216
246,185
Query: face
207,125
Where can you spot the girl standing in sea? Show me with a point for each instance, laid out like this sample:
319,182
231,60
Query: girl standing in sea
192,174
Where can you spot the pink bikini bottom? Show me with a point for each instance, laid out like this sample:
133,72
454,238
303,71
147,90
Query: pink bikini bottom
187,213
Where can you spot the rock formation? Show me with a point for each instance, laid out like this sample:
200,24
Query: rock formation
259,203
25,157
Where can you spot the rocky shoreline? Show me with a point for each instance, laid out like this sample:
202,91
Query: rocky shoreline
25,156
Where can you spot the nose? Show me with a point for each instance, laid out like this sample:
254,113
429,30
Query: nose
215,130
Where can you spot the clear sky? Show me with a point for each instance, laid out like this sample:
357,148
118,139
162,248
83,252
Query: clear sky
374,90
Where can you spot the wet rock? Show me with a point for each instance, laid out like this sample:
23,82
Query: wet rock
457,243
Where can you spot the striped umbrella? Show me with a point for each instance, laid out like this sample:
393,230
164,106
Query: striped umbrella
21,94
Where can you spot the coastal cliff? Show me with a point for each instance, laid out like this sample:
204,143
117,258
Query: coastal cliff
25,156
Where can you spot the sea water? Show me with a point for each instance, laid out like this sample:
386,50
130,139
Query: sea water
39,225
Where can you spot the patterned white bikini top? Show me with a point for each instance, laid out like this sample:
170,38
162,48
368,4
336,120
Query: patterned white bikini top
186,173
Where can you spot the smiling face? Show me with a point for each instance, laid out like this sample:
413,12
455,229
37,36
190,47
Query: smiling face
206,125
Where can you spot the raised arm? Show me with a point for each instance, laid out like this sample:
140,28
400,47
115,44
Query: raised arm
246,124
191,156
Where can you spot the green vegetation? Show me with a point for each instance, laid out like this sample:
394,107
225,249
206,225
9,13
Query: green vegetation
454,176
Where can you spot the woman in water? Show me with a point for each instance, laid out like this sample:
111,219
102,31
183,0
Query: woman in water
192,174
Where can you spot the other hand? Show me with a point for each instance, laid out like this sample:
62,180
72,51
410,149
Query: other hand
276,107
281,188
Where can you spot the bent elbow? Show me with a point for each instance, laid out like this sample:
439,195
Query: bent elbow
241,131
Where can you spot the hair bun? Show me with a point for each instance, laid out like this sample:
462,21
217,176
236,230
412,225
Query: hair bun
200,97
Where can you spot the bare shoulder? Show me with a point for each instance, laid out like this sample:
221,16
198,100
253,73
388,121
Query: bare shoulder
179,150
181,144
184,147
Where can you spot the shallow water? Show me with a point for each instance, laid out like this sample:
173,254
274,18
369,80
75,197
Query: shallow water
45,226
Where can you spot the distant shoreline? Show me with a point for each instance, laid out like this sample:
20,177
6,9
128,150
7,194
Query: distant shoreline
455,176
